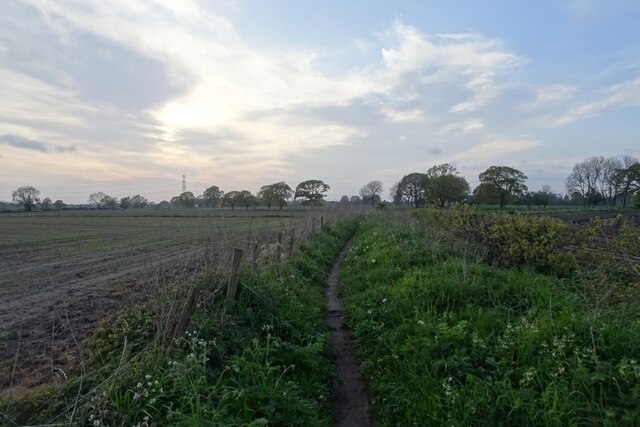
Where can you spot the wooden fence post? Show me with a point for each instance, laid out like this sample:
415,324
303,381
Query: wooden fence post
313,225
254,260
279,250
235,270
321,223
293,233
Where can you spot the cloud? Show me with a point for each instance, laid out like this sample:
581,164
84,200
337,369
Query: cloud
551,94
405,116
20,142
465,127
495,149
66,149
470,60
434,151
626,94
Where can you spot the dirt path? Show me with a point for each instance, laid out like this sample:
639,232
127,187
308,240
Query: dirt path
349,391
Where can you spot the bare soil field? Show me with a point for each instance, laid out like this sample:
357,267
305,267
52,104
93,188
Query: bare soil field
62,274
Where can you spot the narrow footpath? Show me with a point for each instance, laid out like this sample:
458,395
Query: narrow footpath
349,391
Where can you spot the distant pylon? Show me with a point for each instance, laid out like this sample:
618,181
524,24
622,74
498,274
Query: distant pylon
184,184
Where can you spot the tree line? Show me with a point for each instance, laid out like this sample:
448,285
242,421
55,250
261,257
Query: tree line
594,181
605,181
311,192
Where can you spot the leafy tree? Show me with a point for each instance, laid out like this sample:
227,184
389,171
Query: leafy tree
278,193
184,200
58,205
355,200
125,202
485,194
245,198
46,204
371,190
506,181
26,196
312,190
542,198
213,195
629,178
139,202
344,200
109,202
610,181
445,185
229,199
96,199
412,189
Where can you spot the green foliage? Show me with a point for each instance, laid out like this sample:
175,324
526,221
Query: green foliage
244,198
312,191
213,195
185,200
445,340
505,181
510,240
445,185
412,189
278,192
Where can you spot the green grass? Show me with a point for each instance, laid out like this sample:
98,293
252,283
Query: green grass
446,340
259,360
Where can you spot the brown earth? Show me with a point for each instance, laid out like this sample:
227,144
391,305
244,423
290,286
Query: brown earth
349,390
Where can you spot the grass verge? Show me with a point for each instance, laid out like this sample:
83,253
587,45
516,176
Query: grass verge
447,340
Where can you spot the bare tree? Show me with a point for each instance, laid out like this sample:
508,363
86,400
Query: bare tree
610,182
26,196
599,179
585,178
371,190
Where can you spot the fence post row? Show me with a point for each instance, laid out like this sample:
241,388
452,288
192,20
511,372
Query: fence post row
235,270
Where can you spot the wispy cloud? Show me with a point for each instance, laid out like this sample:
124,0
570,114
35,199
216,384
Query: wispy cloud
402,116
551,94
496,147
626,94
464,127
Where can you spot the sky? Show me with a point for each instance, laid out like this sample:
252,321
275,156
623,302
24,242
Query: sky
126,96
